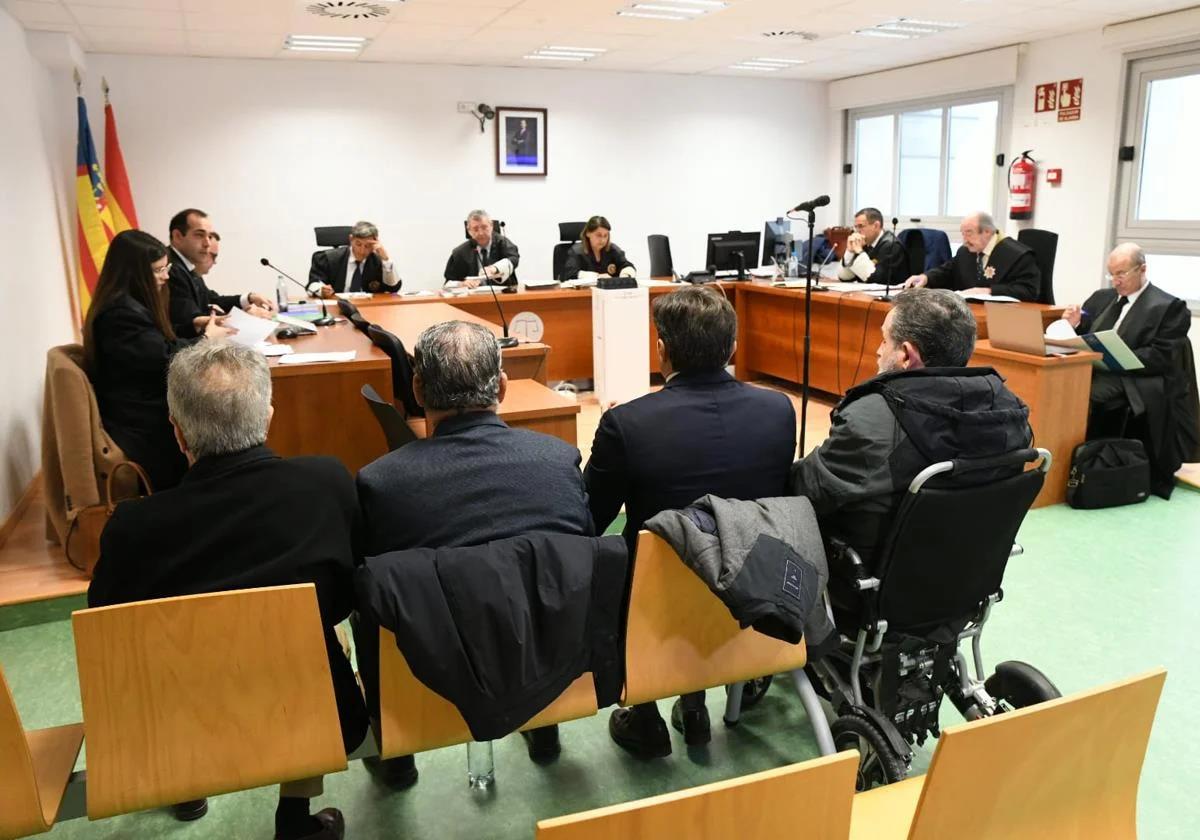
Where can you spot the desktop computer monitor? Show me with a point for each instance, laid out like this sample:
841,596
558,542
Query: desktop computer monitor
777,242
733,251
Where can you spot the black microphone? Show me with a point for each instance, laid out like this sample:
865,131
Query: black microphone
324,320
895,222
809,206
506,341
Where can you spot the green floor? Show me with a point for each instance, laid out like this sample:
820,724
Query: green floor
1096,596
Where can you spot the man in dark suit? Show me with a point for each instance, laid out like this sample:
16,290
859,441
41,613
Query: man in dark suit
242,518
472,481
192,301
361,266
704,432
987,263
484,254
1159,399
873,254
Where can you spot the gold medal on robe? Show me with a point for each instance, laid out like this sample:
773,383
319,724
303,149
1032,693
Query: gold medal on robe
612,270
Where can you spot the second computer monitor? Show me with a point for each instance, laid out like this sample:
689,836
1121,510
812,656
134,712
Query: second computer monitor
777,242
732,251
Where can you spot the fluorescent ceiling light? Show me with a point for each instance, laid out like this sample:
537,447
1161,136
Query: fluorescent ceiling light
785,62
576,49
650,7
536,57
566,53
624,13
323,49
760,67
879,33
908,28
330,39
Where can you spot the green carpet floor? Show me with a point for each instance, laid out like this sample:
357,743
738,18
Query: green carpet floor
1096,596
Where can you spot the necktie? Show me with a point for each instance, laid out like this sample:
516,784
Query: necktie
356,280
1108,318
979,270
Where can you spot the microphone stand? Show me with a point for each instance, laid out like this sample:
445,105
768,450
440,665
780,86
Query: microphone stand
325,320
812,220
506,340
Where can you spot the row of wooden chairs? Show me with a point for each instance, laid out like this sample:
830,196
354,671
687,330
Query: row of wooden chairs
1060,770
190,697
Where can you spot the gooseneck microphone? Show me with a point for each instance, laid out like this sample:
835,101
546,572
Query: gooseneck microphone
324,320
506,340
809,206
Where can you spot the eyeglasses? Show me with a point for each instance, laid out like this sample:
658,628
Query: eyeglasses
1120,275
164,271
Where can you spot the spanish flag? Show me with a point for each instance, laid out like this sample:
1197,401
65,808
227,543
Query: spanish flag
120,193
98,220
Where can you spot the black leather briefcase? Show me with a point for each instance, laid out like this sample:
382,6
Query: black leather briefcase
1108,472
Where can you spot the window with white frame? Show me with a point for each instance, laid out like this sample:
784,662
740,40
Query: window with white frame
932,160
1158,202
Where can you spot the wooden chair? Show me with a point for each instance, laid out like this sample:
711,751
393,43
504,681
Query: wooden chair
413,718
1065,769
812,799
190,697
34,769
680,637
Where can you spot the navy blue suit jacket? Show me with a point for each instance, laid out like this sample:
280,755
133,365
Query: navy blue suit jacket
702,433
475,480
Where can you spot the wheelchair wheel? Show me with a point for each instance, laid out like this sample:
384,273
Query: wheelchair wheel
753,691
1018,684
878,763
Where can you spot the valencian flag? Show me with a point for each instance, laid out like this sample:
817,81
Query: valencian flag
119,191
98,219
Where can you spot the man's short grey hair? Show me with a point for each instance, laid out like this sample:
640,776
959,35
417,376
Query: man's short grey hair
984,221
1132,250
219,394
364,230
938,323
478,214
459,366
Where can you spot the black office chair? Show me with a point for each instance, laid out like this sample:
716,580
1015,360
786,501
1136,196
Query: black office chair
332,237
1045,248
353,315
933,584
568,234
661,264
402,372
395,429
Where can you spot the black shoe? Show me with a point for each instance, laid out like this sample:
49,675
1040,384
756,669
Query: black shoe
642,733
328,824
191,810
542,744
693,724
399,773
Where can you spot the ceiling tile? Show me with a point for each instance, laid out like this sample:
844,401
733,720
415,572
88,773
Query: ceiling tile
37,15
128,18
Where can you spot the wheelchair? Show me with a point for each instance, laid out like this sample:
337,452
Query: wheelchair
901,625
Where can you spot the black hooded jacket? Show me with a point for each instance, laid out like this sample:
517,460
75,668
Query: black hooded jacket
888,429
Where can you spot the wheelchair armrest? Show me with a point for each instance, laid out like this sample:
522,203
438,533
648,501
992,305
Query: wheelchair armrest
867,583
843,548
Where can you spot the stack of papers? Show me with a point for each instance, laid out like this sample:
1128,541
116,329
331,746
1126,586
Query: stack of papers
355,295
251,331
296,323
269,350
540,284
859,287
580,282
307,358
986,298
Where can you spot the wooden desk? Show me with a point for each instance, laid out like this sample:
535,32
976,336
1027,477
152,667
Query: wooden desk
1056,389
530,405
525,361
319,409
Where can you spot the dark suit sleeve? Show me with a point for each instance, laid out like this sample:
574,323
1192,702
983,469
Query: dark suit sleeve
128,341
114,580
606,479
453,272
572,266
318,272
942,276
508,251
1021,280
622,261
1091,309
1172,331
183,307
892,267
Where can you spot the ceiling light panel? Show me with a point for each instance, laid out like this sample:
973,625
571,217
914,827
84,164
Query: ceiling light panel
908,28
553,53
677,10
324,43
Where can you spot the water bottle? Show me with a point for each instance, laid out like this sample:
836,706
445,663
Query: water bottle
793,267
281,293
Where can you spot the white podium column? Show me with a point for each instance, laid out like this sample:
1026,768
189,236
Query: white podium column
620,343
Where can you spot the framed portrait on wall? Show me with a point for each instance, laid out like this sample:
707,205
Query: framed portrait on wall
520,141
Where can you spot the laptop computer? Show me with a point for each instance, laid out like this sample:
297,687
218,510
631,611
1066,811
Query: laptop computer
1019,328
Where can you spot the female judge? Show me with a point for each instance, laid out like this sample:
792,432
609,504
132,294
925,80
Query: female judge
595,252
127,344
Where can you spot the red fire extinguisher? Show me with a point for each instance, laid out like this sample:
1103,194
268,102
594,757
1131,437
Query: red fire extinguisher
1022,175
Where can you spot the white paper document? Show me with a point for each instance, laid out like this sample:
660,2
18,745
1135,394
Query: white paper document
269,350
763,271
985,298
540,284
355,295
859,287
308,358
295,323
1061,330
251,331
1115,354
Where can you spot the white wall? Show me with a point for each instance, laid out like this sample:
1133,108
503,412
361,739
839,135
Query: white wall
271,148
38,238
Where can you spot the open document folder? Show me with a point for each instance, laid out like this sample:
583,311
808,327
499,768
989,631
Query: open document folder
1115,354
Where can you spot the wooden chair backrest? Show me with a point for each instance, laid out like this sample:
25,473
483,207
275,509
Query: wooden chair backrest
681,638
1066,769
812,799
414,718
20,805
190,697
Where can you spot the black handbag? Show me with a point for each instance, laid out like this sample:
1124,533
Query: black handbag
1107,473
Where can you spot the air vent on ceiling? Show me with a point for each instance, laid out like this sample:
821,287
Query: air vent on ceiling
350,9
790,35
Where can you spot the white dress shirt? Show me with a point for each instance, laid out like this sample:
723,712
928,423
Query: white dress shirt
858,266
1132,300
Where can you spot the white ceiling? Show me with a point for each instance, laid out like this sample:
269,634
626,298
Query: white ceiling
500,32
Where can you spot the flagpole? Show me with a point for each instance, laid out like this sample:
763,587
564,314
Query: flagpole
78,83
104,87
